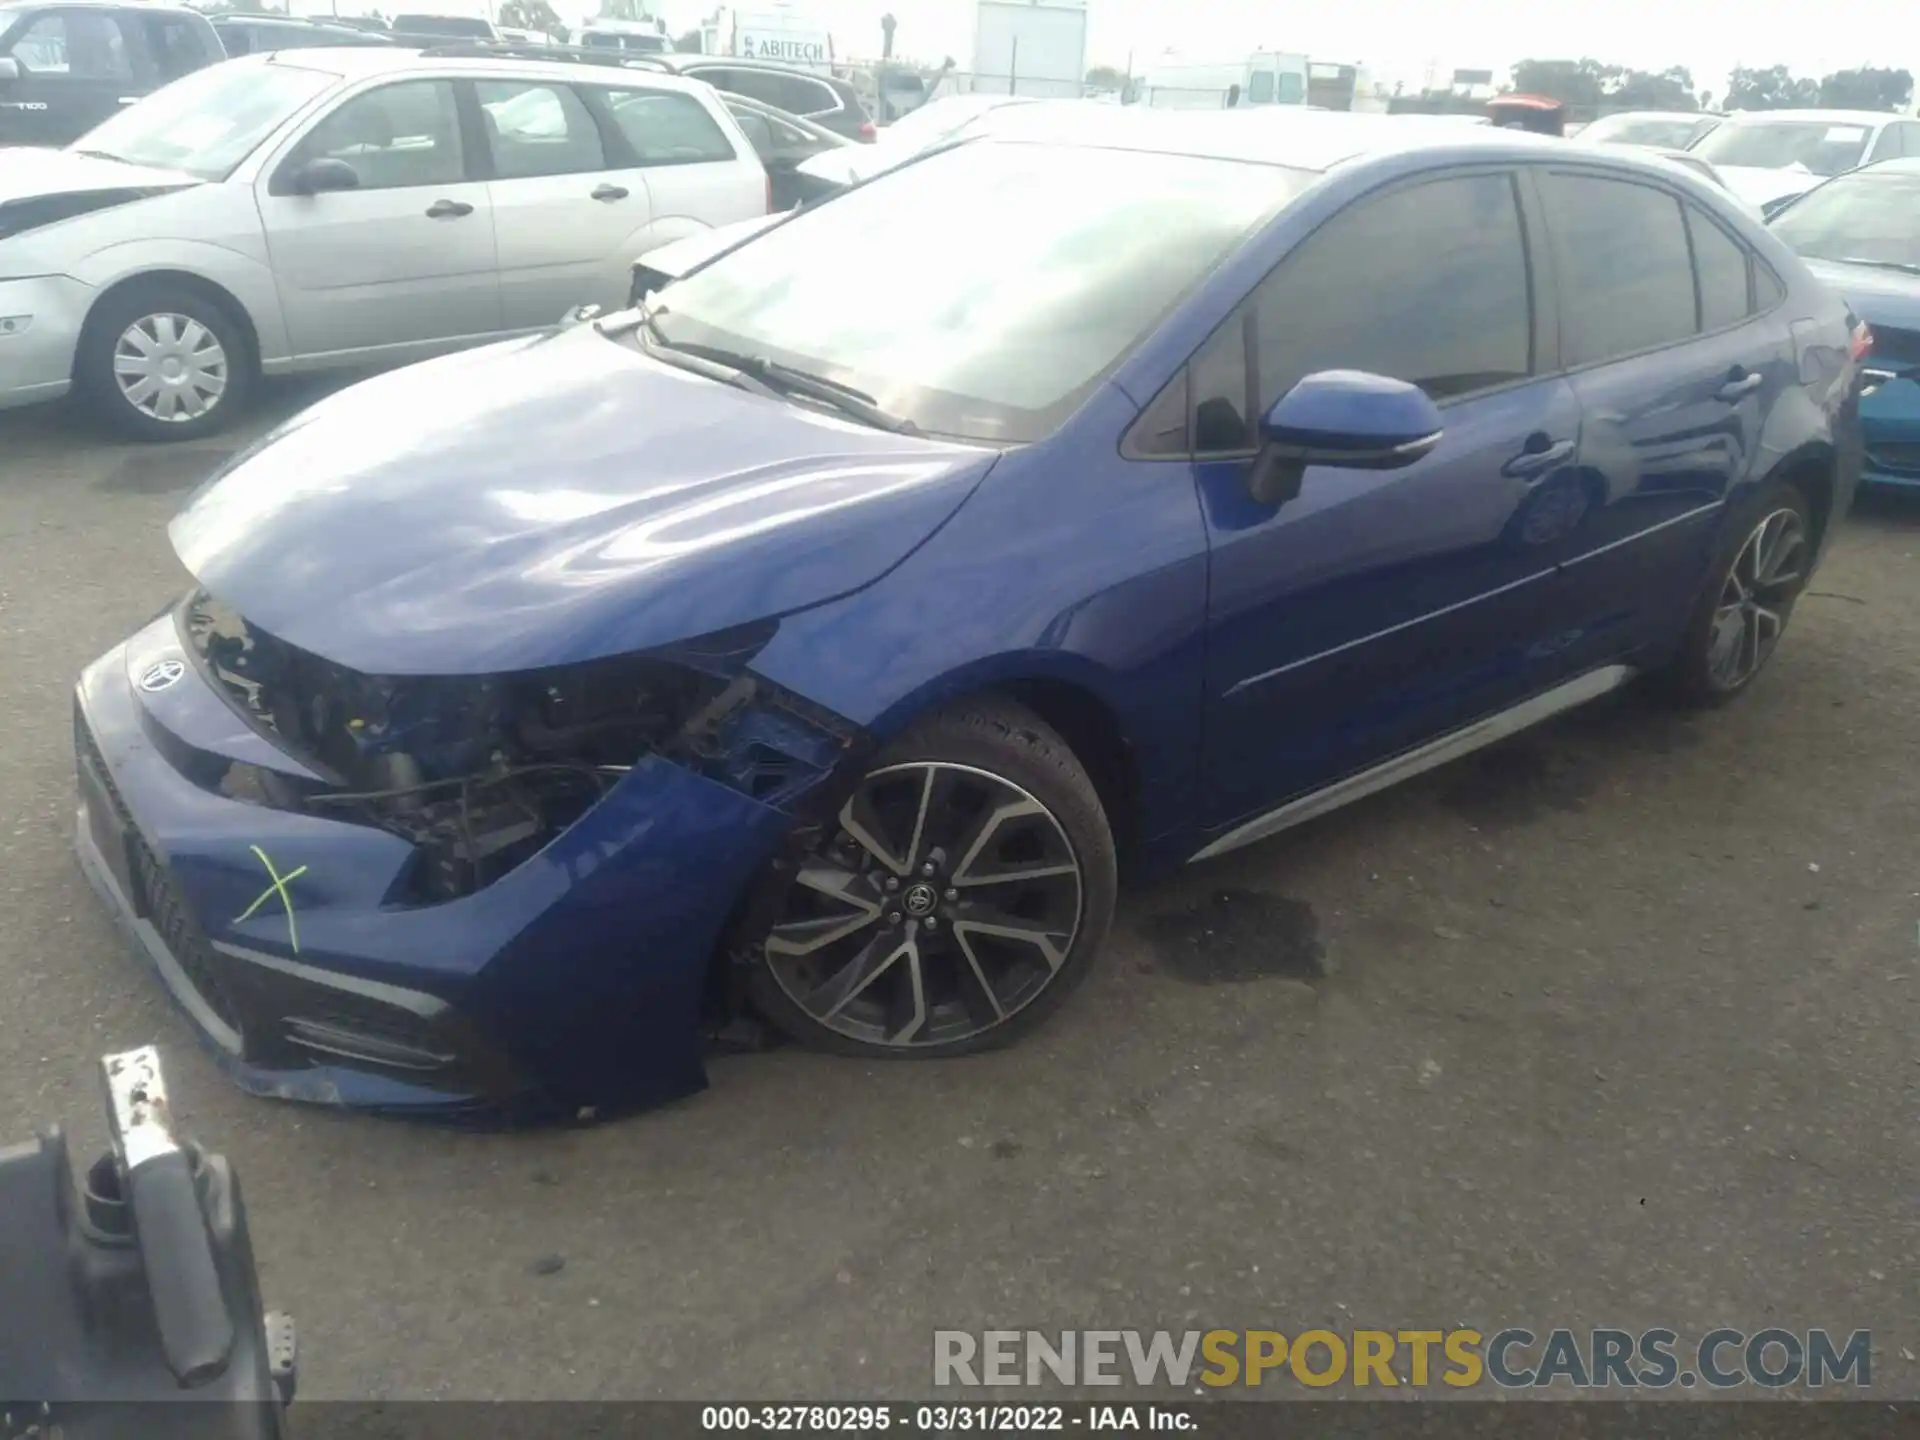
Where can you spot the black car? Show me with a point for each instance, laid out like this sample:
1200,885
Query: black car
827,101
782,140
66,66
259,34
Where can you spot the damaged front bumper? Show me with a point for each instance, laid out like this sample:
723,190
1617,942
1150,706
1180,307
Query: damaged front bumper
574,983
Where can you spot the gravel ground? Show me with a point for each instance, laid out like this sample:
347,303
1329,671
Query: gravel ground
1610,1026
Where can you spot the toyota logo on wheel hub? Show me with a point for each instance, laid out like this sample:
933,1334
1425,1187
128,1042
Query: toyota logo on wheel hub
921,899
160,675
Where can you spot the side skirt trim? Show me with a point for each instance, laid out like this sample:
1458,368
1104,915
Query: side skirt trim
1409,763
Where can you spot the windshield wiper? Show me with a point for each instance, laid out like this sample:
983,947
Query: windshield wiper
692,358
1907,265
785,379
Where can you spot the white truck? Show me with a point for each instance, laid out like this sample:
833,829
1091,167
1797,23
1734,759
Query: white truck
633,37
1036,48
774,31
1265,77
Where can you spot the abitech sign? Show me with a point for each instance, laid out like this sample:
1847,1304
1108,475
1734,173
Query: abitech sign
788,49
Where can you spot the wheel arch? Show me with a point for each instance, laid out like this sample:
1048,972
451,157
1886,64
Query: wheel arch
1813,469
1069,694
210,290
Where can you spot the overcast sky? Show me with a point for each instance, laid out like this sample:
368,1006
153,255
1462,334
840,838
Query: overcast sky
1398,39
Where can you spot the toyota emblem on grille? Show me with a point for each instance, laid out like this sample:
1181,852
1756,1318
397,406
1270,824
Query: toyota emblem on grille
160,675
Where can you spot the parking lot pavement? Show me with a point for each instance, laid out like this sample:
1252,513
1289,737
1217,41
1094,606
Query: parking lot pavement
1613,1025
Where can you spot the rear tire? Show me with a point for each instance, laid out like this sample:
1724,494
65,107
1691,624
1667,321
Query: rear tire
163,361
1756,578
964,897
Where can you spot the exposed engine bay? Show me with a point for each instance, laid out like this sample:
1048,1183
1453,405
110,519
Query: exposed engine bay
480,772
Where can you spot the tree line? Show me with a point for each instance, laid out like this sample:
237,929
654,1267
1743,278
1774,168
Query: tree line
1589,85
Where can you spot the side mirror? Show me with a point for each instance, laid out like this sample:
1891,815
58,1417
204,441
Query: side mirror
318,177
1346,418
9,68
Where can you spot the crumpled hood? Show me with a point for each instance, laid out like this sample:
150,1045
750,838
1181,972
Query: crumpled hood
549,501
39,187
1757,187
1889,298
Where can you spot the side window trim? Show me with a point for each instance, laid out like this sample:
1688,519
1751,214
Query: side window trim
614,149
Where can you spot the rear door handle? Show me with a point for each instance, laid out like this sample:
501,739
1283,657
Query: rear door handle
609,192
1741,386
448,209
1537,461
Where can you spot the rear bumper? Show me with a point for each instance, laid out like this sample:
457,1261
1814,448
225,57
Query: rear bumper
39,331
1890,435
575,982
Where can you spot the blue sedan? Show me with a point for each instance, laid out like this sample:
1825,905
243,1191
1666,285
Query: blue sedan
1860,232
820,644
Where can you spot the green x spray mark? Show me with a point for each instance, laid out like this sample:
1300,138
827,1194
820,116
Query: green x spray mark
278,887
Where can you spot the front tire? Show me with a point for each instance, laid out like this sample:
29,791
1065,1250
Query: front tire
161,361
1757,576
964,896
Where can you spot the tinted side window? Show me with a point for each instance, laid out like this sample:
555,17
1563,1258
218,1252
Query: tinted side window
1767,289
177,47
536,130
393,137
83,44
1888,146
1626,279
1222,414
1721,265
1426,283
667,128
1260,88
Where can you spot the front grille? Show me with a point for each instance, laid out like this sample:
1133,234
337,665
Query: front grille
1893,349
1897,455
156,897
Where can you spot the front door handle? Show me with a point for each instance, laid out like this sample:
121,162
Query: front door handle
1741,384
1540,456
609,192
448,209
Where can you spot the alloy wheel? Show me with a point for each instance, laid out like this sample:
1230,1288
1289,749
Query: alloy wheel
1754,602
946,903
170,367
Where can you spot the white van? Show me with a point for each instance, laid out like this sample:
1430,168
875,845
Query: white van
630,36
1266,77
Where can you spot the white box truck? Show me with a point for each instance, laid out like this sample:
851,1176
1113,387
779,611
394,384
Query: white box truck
782,33
1030,47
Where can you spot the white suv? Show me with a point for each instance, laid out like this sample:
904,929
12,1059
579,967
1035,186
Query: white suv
321,208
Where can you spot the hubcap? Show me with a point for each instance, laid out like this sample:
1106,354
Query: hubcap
170,367
1756,599
946,904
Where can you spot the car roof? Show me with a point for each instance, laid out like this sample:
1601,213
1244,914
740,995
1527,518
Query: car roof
1830,117
1268,135
359,61
159,5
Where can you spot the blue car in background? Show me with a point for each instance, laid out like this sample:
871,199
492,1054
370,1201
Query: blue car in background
1860,233
822,642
